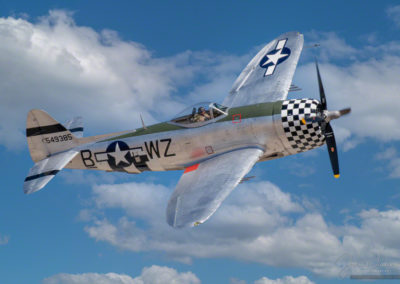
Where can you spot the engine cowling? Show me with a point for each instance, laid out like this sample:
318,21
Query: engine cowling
302,135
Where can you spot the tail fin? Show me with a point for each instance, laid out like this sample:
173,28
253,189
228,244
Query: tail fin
46,136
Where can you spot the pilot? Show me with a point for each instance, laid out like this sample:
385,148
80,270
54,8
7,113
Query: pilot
201,115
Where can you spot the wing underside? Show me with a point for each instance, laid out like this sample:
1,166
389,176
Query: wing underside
203,187
269,74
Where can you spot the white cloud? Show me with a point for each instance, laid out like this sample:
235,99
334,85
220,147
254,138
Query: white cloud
109,278
285,280
158,274
369,86
393,13
150,275
331,45
391,159
257,223
71,70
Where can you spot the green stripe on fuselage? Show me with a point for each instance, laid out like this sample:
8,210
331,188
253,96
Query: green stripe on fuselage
155,128
250,111
256,110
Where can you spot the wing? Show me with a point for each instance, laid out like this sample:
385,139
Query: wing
204,186
269,74
43,171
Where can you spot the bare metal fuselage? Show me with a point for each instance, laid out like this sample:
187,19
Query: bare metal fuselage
182,147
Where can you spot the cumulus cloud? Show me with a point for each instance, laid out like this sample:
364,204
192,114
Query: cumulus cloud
67,69
156,274
70,70
332,46
150,275
258,223
147,202
368,84
109,278
285,280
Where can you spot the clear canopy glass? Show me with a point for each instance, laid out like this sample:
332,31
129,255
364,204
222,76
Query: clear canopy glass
200,114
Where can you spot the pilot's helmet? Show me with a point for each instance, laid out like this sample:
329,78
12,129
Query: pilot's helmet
201,109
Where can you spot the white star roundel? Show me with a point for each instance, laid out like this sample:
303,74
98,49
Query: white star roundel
273,58
118,154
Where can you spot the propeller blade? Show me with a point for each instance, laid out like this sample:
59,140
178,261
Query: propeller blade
321,88
345,111
335,114
331,144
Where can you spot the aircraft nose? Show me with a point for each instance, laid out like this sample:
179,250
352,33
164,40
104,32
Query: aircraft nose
301,132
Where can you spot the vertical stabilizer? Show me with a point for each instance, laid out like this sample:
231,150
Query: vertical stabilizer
46,136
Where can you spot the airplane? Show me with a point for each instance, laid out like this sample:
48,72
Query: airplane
215,145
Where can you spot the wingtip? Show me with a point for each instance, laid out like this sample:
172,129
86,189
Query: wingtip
173,224
176,223
291,34
29,190
26,189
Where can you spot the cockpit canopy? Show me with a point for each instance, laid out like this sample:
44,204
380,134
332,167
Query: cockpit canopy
200,114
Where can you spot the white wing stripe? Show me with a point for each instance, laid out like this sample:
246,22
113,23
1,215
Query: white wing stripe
281,43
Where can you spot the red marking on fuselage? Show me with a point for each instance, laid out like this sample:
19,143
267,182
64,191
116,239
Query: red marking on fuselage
191,168
237,118
199,152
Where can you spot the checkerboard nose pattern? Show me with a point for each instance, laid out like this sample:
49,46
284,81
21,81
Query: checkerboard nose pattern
301,137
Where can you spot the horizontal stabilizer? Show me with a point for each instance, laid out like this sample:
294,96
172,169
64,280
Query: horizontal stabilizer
75,126
43,171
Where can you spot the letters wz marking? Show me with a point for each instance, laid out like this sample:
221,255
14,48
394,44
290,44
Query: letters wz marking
152,147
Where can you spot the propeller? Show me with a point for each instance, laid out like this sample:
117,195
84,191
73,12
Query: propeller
324,117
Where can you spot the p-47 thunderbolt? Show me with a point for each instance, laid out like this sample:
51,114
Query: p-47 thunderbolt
215,145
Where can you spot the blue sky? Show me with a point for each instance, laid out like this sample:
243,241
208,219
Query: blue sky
111,61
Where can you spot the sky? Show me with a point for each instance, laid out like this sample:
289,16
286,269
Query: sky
109,62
